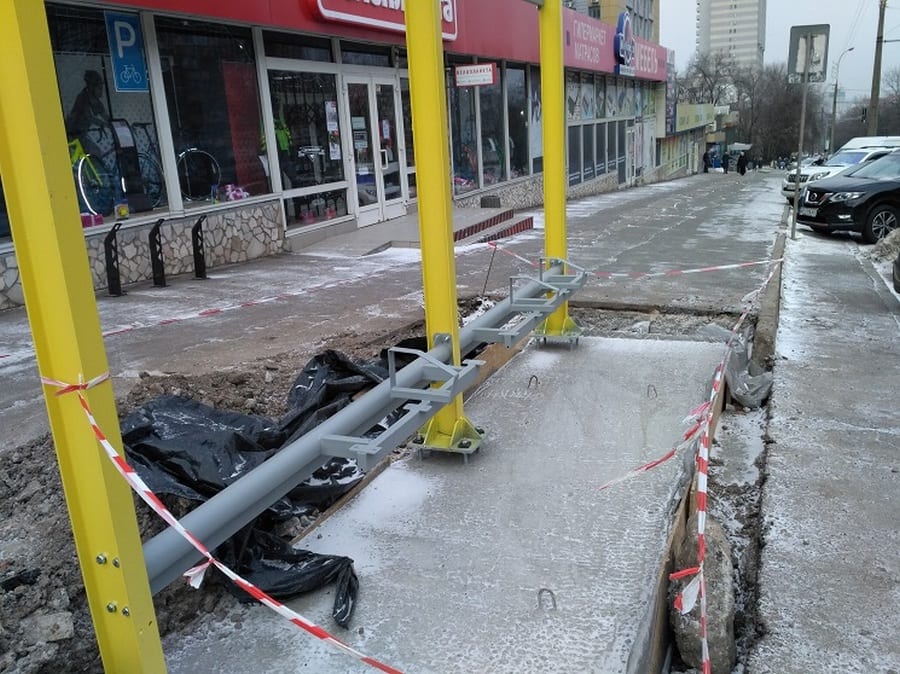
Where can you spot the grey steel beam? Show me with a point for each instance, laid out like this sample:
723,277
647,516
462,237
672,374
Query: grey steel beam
168,555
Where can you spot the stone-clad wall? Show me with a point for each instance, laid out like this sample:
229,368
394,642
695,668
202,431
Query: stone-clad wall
529,193
230,235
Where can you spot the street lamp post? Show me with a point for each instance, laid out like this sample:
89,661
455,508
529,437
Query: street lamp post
837,70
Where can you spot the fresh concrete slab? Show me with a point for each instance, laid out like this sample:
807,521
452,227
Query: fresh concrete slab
452,557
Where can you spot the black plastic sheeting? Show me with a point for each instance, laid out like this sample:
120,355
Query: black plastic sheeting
187,449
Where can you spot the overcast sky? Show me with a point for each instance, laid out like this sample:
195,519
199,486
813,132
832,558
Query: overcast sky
854,23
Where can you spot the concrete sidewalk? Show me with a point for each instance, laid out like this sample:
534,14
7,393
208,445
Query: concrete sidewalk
830,570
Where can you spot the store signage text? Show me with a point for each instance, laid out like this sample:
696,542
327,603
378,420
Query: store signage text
381,14
586,43
475,75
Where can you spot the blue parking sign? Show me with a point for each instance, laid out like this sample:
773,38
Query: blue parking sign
126,49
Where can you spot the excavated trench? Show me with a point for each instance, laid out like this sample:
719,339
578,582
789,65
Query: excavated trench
45,623
737,471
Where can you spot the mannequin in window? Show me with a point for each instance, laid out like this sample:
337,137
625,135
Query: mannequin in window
88,112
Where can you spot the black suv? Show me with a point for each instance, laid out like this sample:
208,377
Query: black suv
865,199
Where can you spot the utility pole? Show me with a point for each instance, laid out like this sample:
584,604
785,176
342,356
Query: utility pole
876,72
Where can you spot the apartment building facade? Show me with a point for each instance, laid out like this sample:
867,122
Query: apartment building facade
736,27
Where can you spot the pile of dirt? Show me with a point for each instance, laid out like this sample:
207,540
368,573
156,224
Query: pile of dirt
45,624
888,248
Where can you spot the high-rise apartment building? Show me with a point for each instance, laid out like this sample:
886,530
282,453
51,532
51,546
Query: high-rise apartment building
736,27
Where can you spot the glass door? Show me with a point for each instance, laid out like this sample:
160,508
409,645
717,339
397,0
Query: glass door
376,148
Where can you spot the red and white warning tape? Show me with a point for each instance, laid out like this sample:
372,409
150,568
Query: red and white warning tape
634,275
195,574
702,416
695,417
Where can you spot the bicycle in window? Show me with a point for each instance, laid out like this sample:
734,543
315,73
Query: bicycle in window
100,181
99,176
198,171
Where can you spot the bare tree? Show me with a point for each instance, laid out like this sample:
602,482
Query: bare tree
776,125
708,79
891,80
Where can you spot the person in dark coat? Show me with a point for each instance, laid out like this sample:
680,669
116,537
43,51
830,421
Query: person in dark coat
706,162
742,164
725,162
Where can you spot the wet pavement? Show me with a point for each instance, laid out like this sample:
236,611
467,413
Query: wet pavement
829,569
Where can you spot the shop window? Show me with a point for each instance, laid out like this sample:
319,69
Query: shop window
574,155
587,151
517,112
212,95
535,129
600,94
620,151
307,128
493,145
600,156
312,209
463,130
108,113
573,97
365,55
611,149
301,47
612,98
408,136
5,229
588,110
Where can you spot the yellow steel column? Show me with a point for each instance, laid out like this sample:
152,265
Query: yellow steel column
449,429
51,253
553,106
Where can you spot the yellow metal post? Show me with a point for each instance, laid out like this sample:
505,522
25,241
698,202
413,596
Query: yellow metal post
553,105
52,258
449,429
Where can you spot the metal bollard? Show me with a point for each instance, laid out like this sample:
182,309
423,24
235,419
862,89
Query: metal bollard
199,251
111,249
156,255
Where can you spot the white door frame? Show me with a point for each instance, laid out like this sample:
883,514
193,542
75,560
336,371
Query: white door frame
384,206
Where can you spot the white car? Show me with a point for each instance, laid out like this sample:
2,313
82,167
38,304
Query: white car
839,161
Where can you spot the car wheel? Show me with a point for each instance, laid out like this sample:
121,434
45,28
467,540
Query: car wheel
882,220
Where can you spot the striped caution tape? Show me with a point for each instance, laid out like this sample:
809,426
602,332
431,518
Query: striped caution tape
195,574
695,590
635,275
696,418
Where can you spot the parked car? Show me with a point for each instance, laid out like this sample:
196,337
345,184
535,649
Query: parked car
838,162
864,199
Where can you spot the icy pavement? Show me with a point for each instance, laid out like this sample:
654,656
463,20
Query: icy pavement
451,557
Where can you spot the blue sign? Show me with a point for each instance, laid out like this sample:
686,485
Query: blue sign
126,49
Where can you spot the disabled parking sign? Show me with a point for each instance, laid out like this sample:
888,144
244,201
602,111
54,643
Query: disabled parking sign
126,49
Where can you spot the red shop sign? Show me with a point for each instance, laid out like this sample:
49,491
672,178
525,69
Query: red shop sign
381,14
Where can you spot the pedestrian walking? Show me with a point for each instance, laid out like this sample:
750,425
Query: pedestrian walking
706,162
725,162
742,164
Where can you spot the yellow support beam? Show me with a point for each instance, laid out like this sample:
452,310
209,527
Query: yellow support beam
553,105
448,429
59,297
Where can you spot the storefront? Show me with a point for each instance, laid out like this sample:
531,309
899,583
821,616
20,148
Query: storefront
293,116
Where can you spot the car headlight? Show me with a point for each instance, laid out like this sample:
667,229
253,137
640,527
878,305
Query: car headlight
819,176
846,196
